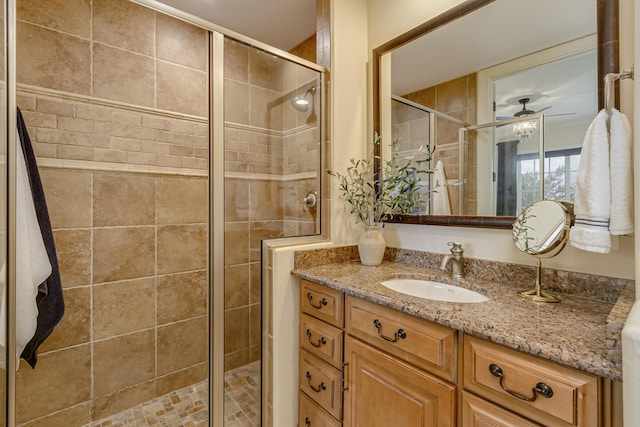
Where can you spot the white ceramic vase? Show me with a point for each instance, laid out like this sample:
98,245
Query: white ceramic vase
371,245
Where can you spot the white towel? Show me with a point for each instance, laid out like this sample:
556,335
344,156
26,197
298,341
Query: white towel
32,263
621,165
440,199
593,191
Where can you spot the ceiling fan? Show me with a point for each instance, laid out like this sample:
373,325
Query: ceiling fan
526,112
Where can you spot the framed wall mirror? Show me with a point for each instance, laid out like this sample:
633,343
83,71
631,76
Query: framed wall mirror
506,105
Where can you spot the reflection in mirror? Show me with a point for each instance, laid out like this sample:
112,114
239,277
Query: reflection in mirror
516,146
542,230
475,65
413,127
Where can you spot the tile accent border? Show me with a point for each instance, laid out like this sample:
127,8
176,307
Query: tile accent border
90,165
73,97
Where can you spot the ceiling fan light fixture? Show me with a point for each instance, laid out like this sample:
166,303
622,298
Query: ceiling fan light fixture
523,130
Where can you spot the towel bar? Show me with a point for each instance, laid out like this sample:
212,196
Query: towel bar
609,80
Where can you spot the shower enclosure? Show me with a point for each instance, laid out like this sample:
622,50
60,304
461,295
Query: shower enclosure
271,163
168,151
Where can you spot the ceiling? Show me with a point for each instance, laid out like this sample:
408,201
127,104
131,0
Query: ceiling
501,31
279,23
497,33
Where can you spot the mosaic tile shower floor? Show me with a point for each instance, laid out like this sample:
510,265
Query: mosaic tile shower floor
188,407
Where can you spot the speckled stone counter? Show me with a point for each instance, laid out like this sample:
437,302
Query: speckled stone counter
582,331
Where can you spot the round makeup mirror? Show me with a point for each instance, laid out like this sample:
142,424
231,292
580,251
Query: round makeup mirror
542,230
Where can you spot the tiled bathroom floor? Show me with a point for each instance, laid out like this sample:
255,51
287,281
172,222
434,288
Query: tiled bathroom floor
187,407
242,396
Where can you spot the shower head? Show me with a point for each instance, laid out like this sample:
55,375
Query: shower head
301,103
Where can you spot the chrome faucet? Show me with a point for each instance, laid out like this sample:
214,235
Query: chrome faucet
455,261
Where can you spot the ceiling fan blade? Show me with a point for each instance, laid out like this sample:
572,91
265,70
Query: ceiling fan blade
542,109
561,114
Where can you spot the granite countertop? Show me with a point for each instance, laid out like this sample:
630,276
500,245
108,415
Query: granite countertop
580,332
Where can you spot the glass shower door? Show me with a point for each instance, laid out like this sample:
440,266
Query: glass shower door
272,169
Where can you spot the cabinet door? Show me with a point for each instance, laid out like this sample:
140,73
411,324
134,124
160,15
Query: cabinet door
478,412
383,391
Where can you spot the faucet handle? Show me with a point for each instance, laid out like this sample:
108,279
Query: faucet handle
456,248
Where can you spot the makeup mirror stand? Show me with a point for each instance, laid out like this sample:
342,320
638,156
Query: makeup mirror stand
542,230
537,294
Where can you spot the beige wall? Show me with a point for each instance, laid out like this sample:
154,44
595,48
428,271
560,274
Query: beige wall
350,137
388,20
114,97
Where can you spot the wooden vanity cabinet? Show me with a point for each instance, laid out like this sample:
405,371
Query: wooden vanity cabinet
399,369
363,364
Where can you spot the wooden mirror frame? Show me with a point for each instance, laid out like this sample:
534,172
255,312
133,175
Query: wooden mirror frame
608,59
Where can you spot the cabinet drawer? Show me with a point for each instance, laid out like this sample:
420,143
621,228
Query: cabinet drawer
321,339
478,412
324,303
574,399
321,382
311,415
424,344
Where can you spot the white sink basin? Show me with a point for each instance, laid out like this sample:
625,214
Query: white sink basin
434,290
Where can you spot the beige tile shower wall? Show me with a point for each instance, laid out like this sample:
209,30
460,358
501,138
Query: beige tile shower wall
68,128
253,211
301,150
132,250
299,221
252,151
410,127
301,155
306,49
121,91
115,50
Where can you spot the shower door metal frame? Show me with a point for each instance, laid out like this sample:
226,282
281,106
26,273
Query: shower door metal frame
10,164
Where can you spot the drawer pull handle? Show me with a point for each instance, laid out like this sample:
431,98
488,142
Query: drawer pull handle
307,421
400,334
322,341
320,387
322,302
541,388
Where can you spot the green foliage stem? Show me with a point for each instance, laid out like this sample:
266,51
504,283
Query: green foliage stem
372,200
